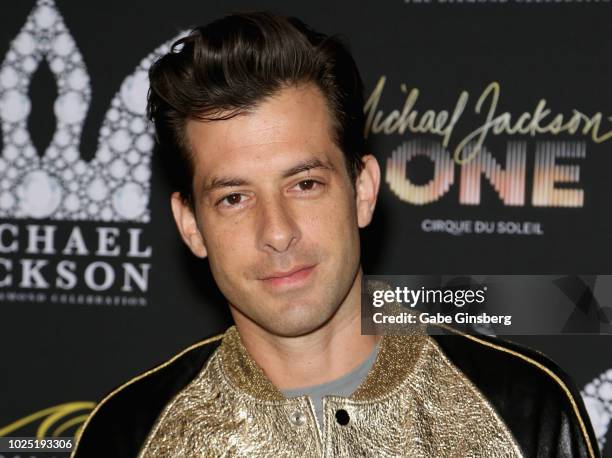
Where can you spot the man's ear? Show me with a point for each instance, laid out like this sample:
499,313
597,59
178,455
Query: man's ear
187,225
366,187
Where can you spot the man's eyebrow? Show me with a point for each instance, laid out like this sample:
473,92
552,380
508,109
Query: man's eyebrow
217,182
308,165
222,182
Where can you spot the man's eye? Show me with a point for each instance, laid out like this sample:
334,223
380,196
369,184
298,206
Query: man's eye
308,185
231,200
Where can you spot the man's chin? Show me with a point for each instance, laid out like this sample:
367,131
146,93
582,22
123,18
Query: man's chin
294,331
297,322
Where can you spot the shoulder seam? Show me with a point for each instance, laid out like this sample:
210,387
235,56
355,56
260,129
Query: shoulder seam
544,369
134,380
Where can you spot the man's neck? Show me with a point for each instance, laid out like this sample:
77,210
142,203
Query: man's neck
324,355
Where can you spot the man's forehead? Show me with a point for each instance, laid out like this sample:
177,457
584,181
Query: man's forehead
296,114
273,153
287,130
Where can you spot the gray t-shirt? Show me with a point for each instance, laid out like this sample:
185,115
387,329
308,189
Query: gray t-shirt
343,386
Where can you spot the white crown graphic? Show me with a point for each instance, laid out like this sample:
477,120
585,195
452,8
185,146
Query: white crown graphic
115,184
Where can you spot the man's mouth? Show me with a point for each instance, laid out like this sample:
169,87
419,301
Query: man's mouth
293,277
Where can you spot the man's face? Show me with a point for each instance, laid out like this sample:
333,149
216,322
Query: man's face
275,212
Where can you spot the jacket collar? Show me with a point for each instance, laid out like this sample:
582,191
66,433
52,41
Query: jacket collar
394,363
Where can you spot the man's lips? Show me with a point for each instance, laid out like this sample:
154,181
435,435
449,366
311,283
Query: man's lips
291,277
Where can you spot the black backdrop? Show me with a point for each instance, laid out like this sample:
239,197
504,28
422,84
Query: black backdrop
62,350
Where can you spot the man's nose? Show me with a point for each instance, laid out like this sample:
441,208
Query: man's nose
278,230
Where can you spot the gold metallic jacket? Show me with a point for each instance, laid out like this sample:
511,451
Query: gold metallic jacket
212,400
413,403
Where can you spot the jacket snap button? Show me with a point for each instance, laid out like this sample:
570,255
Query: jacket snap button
342,417
298,418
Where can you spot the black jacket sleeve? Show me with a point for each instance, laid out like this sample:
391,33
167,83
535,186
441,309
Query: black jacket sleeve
535,398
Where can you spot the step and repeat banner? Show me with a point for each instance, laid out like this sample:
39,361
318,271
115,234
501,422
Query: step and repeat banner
491,120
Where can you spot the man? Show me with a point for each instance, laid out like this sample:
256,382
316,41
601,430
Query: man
263,120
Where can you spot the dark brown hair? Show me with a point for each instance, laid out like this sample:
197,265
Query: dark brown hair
230,65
